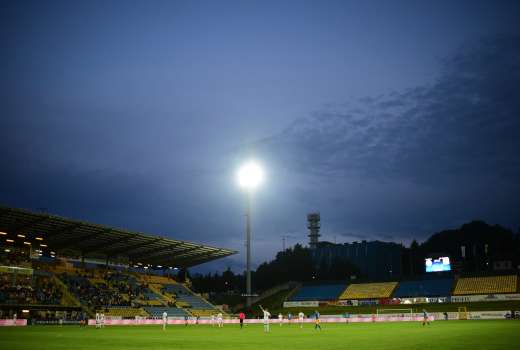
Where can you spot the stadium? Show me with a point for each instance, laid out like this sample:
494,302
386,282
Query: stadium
92,284
259,174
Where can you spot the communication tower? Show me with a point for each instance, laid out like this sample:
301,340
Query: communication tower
313,225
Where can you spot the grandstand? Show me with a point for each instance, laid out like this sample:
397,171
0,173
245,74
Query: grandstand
71,267
118,294
486,285
320,292
424,288
368,291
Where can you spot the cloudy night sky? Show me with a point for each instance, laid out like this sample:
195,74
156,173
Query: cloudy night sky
394,119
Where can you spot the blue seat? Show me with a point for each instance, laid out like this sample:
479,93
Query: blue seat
424,288
186,296
155,311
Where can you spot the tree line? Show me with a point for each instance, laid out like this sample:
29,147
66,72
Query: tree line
483,244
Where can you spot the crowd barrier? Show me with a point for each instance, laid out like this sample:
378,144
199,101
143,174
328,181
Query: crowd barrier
475,315
11,323
353,319
488,315
484,297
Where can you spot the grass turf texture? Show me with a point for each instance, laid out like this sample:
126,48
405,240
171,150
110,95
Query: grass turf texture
500,334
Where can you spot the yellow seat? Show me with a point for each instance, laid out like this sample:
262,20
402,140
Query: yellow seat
486,285
126,312
157,279
203,313
369,290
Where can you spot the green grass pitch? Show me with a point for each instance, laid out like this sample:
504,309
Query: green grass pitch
501,334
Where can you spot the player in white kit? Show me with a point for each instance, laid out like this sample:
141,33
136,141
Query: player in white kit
97,320
280,319
102,318
220,322
300,319
267,314
164,320
212,321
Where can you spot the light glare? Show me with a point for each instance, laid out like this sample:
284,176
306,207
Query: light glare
250,175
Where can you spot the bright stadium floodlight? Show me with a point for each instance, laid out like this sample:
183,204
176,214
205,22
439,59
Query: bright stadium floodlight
250,176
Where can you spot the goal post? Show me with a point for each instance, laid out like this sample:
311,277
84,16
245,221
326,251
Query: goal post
395,312
463,313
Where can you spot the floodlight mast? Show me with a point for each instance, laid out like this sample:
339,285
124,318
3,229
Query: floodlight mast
250,177
248,249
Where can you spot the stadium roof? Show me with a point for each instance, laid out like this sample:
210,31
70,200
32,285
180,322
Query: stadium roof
73,238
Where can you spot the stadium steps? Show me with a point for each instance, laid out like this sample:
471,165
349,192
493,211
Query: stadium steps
293,292
187,299
188,311
67,298
455,281
290,286
163,297
273,302
199,301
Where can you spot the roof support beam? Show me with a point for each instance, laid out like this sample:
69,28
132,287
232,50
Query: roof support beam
207,256
20,228
179,255
192,257
68,228
76,240
165,251
133,247
101,245
194,253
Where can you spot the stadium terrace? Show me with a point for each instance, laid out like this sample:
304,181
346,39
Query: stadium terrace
54,268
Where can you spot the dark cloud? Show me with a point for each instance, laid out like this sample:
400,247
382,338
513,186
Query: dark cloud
465,124
452,144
